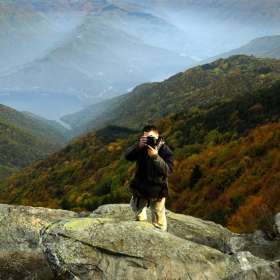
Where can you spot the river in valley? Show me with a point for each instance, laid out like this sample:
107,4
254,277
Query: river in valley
46,105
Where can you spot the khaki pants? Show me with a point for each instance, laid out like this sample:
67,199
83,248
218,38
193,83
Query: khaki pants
157,209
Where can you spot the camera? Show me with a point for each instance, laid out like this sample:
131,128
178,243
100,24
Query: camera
152,141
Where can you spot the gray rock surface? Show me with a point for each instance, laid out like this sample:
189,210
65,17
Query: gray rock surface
183,226
277,222
108,244
20,254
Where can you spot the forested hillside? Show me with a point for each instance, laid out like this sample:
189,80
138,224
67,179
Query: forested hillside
265,47
46,130
203,85
226,165
25,139
18,148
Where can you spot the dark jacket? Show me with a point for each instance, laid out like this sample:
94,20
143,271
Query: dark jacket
156,168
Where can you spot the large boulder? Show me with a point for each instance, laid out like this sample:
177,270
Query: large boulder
105,245
277,222
40,243
183,226
20,254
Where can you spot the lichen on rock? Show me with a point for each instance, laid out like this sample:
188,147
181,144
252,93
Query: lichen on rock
39,243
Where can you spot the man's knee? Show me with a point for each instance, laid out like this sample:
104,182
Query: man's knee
158,206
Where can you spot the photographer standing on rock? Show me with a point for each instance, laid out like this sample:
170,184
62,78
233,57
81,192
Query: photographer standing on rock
155,162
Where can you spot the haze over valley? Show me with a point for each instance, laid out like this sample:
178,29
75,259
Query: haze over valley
79,53
49,106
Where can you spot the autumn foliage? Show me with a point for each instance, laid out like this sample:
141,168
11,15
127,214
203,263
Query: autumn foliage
227,165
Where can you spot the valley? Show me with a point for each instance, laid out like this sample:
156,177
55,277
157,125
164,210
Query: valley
83,48
46,105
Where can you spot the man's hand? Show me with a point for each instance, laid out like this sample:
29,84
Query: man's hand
151,151
143,142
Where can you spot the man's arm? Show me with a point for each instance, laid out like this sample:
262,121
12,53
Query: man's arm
132,152
164,164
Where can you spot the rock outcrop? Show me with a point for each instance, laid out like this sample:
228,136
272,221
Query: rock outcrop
20,254
277,222
108,244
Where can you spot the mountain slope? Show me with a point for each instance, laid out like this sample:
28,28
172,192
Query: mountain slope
65,133
234,145
18,148
153,30
274,53
25,35
97,50
266,47
100,57
220,25
25,139
199,86
217,25
37,127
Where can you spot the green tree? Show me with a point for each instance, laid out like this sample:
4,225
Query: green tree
195,175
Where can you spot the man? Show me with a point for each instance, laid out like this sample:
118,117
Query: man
155,162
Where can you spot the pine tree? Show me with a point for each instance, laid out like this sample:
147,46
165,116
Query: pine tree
195,175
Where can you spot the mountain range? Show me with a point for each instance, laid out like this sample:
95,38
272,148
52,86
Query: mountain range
219,114
99,49
224,136
202,85
267,46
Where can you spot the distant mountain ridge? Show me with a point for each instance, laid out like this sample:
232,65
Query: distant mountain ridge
205,85
99,57
25,35
219,25
267,47
98,49
202,85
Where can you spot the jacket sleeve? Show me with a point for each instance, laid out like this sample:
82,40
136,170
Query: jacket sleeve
164,164
132,153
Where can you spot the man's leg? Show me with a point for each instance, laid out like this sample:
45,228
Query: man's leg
158,214
139,208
